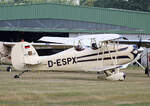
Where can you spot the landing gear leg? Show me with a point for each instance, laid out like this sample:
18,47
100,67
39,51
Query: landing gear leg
18,76
147,71
106,73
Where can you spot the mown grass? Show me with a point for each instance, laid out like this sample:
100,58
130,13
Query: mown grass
74,89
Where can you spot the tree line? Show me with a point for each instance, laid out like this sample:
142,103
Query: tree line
137,5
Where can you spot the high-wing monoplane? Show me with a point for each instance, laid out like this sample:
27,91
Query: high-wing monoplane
96,53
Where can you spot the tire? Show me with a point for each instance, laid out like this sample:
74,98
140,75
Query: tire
9,69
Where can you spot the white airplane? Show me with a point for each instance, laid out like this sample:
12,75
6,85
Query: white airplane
101,54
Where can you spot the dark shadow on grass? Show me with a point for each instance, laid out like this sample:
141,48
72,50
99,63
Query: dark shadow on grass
80,78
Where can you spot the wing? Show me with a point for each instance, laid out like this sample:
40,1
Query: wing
41,45
59,40
99,37
85,39
143,43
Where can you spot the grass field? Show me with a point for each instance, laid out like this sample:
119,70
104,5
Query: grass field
74,89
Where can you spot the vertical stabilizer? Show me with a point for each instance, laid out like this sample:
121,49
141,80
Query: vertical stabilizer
23,54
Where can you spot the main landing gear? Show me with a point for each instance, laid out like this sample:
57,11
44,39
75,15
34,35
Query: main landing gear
115,75
18,76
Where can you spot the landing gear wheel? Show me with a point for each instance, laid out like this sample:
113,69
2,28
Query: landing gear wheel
147,71
16,76
120,76
9,69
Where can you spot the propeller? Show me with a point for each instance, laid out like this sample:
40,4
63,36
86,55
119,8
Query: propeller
147,70
140,42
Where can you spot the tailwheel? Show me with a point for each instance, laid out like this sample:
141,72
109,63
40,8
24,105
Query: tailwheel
16,76
20,74
9,69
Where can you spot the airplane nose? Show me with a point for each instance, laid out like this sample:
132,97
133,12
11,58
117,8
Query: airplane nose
138,50
135,47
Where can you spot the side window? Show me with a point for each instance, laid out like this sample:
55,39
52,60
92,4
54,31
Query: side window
94,46
79,48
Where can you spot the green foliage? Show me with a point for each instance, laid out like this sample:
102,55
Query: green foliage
138,5
18,2
87,2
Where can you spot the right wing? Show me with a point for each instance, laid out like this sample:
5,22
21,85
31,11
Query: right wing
85,39
143,43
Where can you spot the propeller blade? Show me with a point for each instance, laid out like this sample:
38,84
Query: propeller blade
140,42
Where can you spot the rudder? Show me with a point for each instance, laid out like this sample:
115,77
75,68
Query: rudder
24,55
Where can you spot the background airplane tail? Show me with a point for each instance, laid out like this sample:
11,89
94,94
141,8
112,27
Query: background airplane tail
23,55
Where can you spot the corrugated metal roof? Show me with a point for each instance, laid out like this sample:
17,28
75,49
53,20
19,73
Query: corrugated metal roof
131,19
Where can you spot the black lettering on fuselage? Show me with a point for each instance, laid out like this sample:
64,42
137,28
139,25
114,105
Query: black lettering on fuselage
62,62
69,60
50,63
58,61
74,60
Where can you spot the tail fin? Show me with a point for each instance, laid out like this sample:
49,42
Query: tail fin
23,54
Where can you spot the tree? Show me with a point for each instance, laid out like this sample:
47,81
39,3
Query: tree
87,2
138,5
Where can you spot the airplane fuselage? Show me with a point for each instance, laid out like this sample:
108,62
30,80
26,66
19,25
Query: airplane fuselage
87,59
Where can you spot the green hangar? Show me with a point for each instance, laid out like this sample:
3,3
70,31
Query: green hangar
32,21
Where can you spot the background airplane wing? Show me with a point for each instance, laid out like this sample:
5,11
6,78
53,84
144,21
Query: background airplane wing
9,44
41,45
58,40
